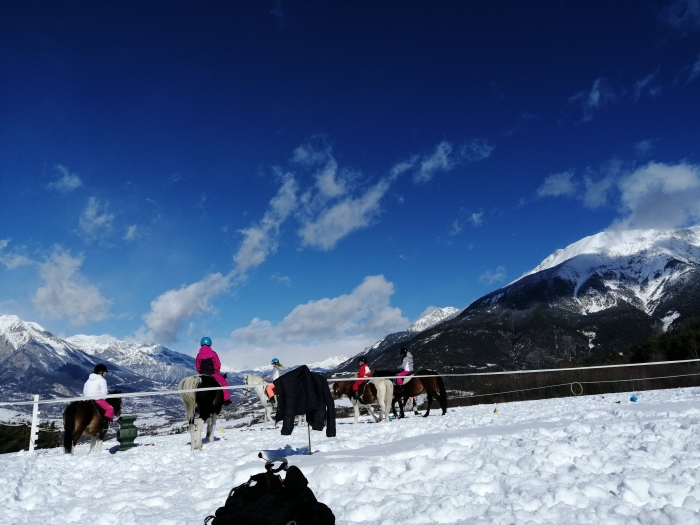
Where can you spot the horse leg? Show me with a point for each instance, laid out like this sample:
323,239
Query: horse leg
197,440
430,402
211,428
356,407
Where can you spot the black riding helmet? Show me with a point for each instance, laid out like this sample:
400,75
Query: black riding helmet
403,352
361,360
99,369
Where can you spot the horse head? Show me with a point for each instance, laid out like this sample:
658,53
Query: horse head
337,389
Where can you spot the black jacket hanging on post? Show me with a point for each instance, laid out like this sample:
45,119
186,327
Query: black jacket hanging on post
302,392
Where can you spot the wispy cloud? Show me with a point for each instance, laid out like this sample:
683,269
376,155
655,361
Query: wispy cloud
261,239
342,218
12,260
649,85
592,100
440,160
171,310
683,15
694,70
66,292
67,182
493,276
366,310
131,233
95,222
476,150
596,192
558,185
642,148
282,279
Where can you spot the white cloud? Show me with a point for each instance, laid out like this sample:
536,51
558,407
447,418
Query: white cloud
683,15
131,233
364,313
282,279
170,310
599,95
659,195
12,260
440,160
67,293
477,219
342,218
596,192
642,148
557,185
261,240
493,276
648,85
694,70
476,150
95,222
67,182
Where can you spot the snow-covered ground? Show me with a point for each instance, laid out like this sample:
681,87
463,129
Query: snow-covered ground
598,460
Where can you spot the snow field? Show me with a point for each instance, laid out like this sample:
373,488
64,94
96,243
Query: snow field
574,460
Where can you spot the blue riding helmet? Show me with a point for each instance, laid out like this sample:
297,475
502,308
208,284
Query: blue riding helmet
205,341
275,361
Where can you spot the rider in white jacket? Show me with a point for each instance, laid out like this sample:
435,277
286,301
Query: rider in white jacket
96,386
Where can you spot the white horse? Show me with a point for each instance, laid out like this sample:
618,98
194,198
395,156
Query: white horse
258,384
385,394
206,403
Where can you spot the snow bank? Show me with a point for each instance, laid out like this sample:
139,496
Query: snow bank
577,460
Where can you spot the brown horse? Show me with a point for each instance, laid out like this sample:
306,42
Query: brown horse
377,392
81,418
413,386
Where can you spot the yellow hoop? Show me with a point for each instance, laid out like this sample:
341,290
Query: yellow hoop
574,392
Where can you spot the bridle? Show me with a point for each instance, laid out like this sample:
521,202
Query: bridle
246,391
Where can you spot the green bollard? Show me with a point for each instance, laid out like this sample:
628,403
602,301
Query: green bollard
127,432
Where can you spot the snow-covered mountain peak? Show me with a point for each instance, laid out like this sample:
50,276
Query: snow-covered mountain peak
436,316
682,244
18,332
89,343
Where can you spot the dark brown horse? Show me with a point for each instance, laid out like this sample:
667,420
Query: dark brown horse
432,385
82,418
377,392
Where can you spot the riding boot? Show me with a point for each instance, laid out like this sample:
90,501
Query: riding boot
227,402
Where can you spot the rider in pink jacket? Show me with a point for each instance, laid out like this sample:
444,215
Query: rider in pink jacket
208,363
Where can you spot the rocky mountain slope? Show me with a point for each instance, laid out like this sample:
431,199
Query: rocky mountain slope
600,295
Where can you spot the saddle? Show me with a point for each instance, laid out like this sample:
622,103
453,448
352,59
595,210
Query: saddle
101,412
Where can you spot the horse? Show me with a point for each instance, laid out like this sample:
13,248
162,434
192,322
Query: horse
377,391
258,384
207,403
82,418
431,384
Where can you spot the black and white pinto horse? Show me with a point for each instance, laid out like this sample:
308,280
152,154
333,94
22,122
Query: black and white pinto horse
377,392
82,418
258,384
206,403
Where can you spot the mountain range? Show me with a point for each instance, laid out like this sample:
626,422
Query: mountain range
600,295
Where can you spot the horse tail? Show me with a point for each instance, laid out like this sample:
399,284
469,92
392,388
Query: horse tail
443,394
189,398
69,427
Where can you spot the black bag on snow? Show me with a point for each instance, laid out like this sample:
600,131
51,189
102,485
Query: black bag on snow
266,499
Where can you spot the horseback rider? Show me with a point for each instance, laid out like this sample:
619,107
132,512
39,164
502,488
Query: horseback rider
208,363
96,385
364,372
276,372
406,365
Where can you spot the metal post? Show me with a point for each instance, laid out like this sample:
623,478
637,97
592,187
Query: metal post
35,424
308,430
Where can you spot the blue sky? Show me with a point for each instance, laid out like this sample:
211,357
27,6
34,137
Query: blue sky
296,180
